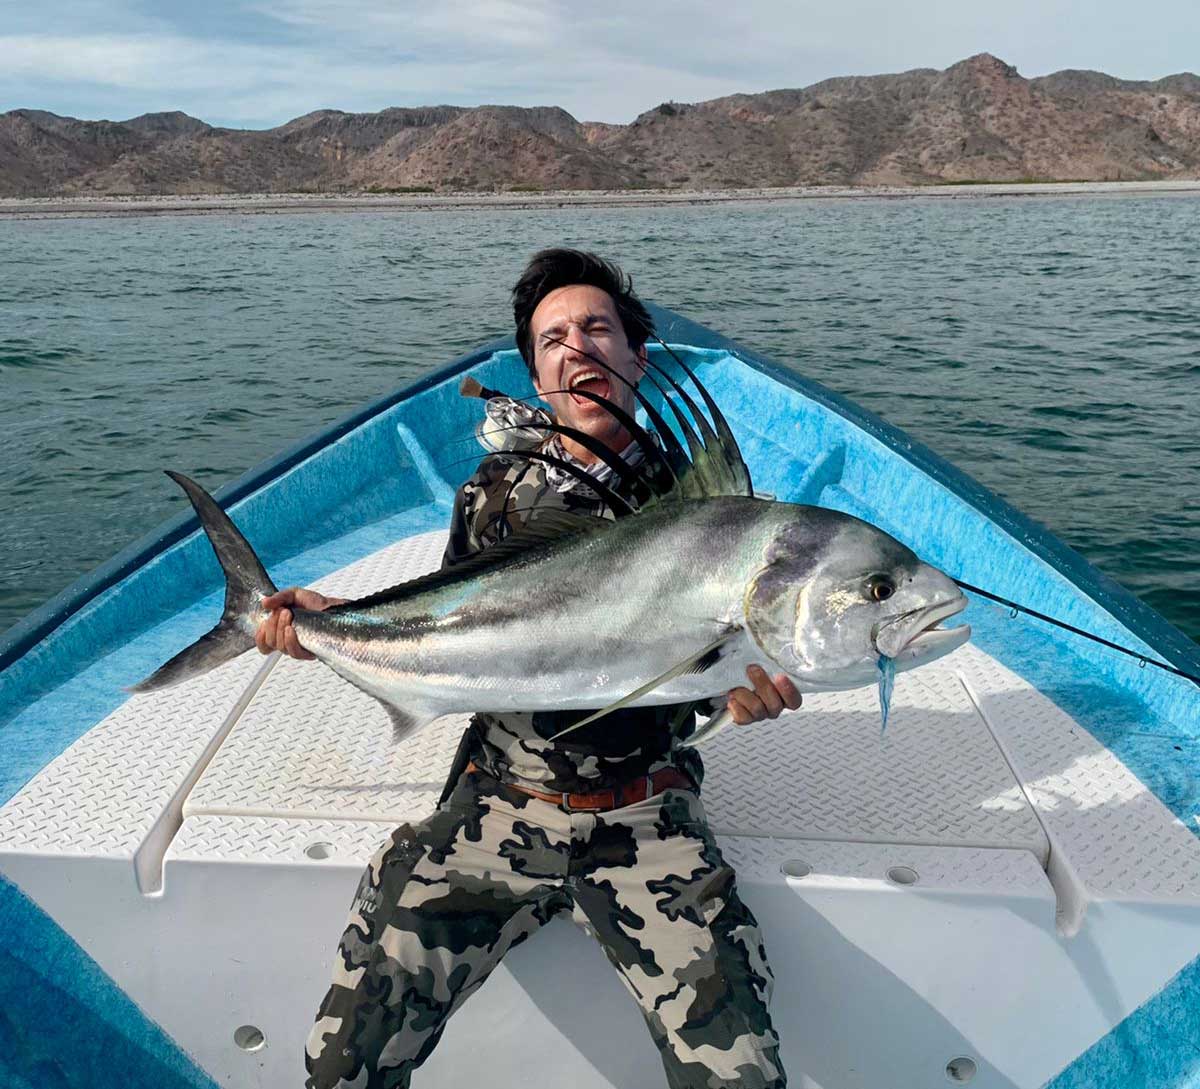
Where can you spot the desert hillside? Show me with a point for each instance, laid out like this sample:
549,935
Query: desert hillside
978,120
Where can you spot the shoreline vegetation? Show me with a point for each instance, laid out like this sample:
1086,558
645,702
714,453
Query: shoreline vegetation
81,207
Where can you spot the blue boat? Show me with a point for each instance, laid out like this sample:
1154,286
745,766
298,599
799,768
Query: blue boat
1002,890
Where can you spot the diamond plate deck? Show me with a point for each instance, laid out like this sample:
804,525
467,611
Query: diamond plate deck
1119,840
935,777
104,795
233,838
962,869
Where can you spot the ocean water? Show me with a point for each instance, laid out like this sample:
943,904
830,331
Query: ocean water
1048,347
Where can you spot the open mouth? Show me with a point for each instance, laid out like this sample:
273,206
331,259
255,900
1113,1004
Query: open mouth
593,382
919,634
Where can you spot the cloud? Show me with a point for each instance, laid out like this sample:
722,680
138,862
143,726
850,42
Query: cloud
234,82
135,62
455,24
260,62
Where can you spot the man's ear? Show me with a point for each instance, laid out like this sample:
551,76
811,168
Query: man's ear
643,359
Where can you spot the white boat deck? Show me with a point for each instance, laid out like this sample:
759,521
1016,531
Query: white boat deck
187,811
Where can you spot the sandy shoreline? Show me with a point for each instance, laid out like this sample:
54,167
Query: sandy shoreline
277,203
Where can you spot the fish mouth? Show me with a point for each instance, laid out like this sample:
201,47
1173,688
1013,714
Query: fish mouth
917,634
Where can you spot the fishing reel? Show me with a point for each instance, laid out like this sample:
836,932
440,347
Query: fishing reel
507,424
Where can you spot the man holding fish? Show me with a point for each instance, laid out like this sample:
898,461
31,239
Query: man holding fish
604,822
548,606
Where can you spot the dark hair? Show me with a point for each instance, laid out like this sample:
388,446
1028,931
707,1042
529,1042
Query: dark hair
549,270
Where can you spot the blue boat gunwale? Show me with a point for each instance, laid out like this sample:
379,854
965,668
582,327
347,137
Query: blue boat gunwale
1128,610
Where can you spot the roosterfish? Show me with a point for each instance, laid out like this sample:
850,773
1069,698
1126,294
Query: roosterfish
667,604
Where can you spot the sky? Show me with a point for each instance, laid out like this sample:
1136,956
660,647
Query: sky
258,63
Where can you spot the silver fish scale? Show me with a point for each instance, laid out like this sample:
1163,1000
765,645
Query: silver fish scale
635,599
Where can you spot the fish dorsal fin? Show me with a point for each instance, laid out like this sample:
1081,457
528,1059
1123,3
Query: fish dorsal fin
711,465
547,526
716,464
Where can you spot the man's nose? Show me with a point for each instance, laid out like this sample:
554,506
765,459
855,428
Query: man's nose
577,340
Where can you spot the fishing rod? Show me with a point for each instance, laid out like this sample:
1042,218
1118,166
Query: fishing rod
1142,659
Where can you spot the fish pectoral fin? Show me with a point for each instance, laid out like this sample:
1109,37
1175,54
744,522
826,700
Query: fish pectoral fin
715,724
703,659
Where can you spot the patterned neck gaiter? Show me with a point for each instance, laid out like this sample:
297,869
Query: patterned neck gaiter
562,481
511,425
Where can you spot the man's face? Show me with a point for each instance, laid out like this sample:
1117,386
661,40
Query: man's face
585,319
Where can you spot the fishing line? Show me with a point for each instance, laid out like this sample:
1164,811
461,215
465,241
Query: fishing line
1142,659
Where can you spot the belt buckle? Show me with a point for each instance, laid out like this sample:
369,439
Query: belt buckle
571,808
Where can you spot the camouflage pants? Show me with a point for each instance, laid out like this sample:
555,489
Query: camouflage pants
444,900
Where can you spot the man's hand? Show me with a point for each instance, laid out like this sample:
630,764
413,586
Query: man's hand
765,700
277,632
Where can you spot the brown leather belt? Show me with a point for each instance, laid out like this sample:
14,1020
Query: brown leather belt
637,790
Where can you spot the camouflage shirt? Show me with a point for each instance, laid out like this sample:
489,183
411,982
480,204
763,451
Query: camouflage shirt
503,494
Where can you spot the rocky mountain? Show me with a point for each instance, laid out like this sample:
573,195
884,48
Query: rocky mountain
978,120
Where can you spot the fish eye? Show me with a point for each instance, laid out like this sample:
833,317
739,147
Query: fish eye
880,587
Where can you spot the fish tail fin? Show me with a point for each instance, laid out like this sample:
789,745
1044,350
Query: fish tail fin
246,583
